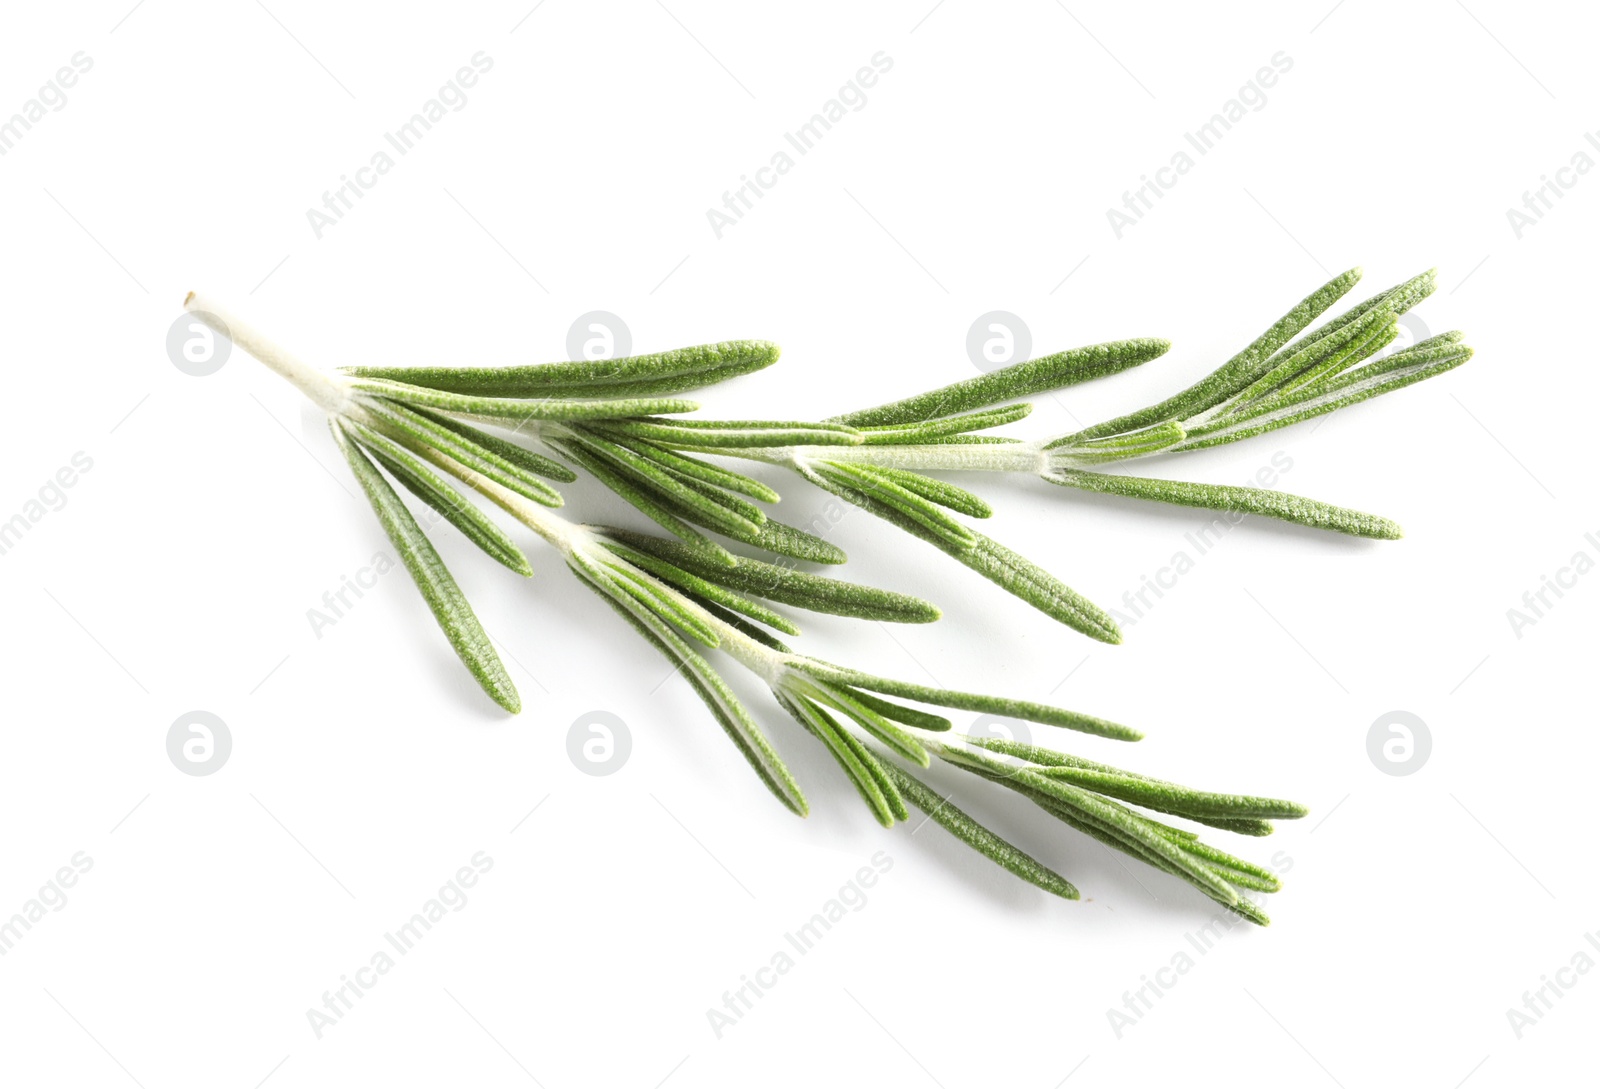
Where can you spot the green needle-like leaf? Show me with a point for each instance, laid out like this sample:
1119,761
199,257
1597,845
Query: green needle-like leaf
1014,382
1174,799
647,593
509,408
1233,375
782,539
705,472
431,440
1103,777
725,514
739,623
1444,347
438,588
861,766
748,518
537,464
878,768
1148,440
840,699
1397,300
1341,361
786,585
1434,356
1366,338
1227,497
936,491
670,383
922,720
670,510
968,701
1367,326
657,373
1215,884
1006,569
1334,392
1025,579
1131,828
1205,807
712,690
704,589
731,434
979,838
845,480
944,426
646,503
969,440
1236,871
429,487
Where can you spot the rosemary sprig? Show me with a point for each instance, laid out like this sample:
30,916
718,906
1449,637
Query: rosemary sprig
1284,376
1272,383
689,595
872,737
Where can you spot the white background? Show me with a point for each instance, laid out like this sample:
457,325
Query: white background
367,768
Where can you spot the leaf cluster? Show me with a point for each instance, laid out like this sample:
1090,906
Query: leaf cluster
440,433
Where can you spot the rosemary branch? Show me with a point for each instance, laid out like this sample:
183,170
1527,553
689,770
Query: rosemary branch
879,458
690,595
